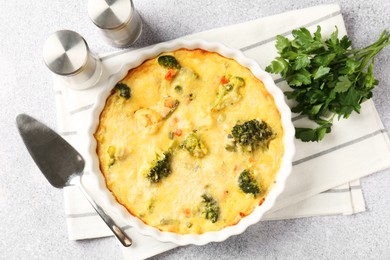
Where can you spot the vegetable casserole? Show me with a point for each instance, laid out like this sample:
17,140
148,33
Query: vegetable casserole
190,142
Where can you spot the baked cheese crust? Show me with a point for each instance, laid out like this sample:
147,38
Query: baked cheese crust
166,148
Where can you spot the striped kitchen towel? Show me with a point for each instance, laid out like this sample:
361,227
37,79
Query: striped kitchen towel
325,175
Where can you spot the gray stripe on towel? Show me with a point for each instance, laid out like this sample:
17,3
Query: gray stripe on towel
68,133
279,80
334,14
108,56
82,215
296,118
356,187
338,147
92,214
81,109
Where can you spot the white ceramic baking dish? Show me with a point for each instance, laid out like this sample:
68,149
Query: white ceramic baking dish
284,171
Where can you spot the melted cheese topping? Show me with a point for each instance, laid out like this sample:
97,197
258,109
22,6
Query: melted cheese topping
131,132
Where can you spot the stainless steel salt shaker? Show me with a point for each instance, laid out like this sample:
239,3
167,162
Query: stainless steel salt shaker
118,20
67,55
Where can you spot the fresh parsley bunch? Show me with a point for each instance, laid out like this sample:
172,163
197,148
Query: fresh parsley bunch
327,78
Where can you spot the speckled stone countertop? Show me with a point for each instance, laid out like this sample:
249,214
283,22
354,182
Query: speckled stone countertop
31,211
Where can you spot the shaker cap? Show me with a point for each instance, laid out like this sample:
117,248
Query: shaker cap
109,14
65,52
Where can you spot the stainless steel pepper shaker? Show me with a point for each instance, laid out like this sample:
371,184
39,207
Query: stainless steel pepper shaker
67,55
118,20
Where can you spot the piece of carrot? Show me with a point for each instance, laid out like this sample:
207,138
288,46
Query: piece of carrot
170,74
224,80
178,132
187,212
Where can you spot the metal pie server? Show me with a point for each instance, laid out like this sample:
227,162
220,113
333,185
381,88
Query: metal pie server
61,164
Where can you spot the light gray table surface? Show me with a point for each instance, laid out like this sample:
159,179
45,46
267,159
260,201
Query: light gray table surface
32,222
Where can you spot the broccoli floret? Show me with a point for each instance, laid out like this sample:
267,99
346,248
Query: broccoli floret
228,93
251,135
247,183
160,167
236,82
194,145
211,208
168,62
124,90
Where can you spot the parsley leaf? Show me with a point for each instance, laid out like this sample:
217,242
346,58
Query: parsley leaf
278,65
299,78
326,77
343,84
309,134
321,71
282,43
301,61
